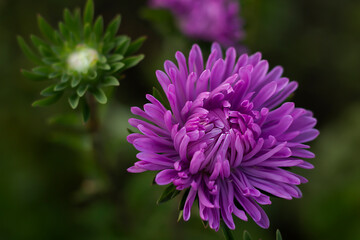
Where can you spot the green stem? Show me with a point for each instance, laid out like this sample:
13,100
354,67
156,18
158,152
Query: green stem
227,232
97,143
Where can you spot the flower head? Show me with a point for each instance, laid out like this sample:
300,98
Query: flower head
209,20
82,60
227,137
80,57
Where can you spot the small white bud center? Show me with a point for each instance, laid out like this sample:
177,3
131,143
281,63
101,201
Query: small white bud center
82,59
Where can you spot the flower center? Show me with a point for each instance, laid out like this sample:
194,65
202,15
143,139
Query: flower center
221,136
83,59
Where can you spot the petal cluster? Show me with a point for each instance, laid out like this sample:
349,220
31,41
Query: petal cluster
209,20
227,135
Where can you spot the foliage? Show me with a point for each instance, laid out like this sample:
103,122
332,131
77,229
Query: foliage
80,56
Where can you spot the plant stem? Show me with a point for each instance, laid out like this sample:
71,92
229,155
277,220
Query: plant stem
97,143
227,232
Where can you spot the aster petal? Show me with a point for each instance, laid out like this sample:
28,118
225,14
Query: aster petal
165,177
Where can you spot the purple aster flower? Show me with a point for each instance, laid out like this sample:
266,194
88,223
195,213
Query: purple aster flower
227,137
209,20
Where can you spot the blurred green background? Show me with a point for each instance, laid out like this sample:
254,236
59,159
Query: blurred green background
51,187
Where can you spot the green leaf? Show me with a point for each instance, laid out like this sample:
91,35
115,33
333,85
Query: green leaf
180,215
77,19
183,199
46,29
205,223
46,101
161,97
64,30
74,101
34,76
113,27
92,74
123,43
135,46
110,81
68,18
49,91
278,235
60,86
227,232
86,112
37,42
87,31
75,81
53,75
50,60
169,193
116,67
246,235
99,27
99,95
46,52
115,58
89,12
42,70
81,90
104,66
132,61
27,51
65,77
130,131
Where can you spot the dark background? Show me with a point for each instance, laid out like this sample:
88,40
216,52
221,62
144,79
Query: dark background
51,187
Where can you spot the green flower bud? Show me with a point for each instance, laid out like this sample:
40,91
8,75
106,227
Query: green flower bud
80,56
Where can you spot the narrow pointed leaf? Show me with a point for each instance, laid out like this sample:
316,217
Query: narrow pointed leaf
61,86
65,78
27,51
135,46
246,235
49,91
89,12
75,81
37,42
42,70
47,101
87,31
130,131
278,235
169,193
113,26
117,66
99,27
123,43
180,215
74,101
81,90
132,61
46,29
34,76
99,95
110,81
104,67
68,18
64,30
116,58
54,75
183,199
